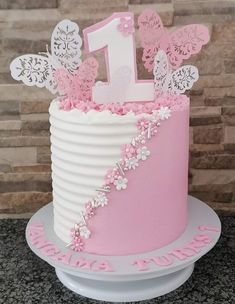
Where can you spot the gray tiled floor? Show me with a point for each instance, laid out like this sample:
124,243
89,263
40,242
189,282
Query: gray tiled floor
24,278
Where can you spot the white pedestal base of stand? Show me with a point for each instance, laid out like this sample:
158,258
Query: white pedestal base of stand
127,282
125,291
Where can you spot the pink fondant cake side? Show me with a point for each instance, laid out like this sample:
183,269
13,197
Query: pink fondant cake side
152,211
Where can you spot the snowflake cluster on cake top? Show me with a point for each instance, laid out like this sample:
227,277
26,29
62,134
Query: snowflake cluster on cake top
64,73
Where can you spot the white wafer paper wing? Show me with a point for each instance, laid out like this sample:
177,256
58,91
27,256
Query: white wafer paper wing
176,82
66,46
160,70
33,70
183,79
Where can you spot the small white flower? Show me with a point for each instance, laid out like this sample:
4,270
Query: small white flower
100,200
120,182
164,113
143,153
84,232
131,163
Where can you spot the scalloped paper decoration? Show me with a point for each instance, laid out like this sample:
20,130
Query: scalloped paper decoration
175,82
178,45
39,69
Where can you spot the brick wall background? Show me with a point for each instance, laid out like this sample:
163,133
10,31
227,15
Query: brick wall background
26,26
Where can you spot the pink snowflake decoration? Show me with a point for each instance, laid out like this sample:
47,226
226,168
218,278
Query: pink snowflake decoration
126,26
110,176
128,151
90,212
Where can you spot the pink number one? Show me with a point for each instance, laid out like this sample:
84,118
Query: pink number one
120,52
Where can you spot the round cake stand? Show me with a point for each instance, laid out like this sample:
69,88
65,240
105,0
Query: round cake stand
125,291
127,283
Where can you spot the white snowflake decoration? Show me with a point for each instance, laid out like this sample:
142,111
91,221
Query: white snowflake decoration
131,163
100,200
84,232
121,183
143,153
164,113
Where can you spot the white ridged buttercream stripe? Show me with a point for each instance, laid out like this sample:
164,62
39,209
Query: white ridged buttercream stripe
97,172
84,146
83,159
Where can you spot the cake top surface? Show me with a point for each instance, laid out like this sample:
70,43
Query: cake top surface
73,80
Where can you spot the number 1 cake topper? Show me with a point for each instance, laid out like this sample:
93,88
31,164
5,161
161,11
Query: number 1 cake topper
63,73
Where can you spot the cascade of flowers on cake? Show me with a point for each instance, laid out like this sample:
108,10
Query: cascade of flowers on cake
132,155
64,73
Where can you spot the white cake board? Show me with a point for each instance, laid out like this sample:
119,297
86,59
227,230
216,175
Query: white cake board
127,283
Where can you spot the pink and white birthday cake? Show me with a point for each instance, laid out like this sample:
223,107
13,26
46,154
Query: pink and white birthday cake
119,148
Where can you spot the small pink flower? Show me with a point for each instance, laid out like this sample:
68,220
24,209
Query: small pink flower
66,104
149,107
143,124
90,212
130,107
82,107
139,109
126,26
74,233
140,139
153,130
128,151
77,244
110,176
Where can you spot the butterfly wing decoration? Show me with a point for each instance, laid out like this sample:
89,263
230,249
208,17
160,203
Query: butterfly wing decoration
33,70
66,46
161,71
176,82
116,91
185,42
39,69
151,30
178,45
78,86
85,78
150,27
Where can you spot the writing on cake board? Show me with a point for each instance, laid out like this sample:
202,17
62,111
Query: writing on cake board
37,237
